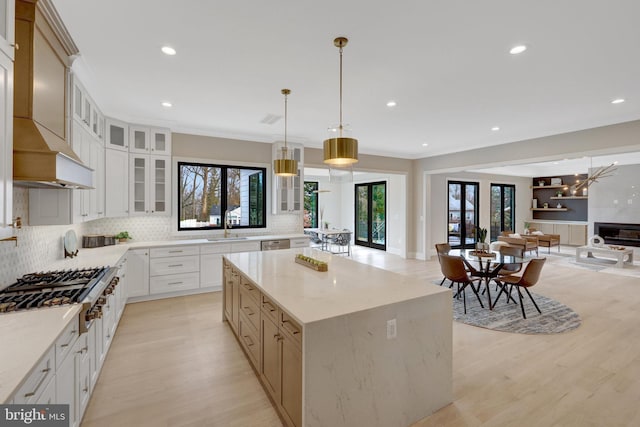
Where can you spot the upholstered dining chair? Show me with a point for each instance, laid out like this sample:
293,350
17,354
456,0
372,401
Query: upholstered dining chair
528,279
453,269
443,248
511,268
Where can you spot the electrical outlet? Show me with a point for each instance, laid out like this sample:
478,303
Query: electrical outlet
392,330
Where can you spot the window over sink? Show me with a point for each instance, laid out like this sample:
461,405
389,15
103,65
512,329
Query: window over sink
210,193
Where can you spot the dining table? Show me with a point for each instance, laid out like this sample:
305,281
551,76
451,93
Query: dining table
326,234
487,266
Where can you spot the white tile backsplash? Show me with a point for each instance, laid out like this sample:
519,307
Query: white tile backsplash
39,246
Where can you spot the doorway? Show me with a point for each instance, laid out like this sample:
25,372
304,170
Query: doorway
371,215
462,209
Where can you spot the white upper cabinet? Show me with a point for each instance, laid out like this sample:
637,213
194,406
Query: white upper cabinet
6,145
7,34
117,133
287,191
116,183
138,139
146,140
85,110
149,185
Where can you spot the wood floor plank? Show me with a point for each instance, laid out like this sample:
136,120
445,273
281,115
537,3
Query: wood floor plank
174,363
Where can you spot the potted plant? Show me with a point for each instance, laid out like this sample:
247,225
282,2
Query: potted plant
122,236
481,236
526,227
559,193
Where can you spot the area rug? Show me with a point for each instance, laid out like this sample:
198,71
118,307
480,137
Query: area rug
555,318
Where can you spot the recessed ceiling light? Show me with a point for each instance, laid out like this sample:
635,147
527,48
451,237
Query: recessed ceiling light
391,104
618,101
495,128
168,50
167,104
425,145
517,49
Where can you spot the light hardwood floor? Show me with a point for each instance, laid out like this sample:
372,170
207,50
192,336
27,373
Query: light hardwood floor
174,363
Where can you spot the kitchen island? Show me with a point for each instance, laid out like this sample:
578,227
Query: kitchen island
355,345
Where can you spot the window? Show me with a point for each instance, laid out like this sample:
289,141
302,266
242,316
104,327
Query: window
310,204
206,192
503,208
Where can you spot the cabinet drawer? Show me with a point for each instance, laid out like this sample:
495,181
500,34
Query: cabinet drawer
269,308
174,265
216,248
66,341
174,251
37,382
174,283
251,289
250,341
303,242
291,327
249,306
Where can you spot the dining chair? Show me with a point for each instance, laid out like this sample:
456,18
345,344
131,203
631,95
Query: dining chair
453,269
529,278
342,239
443,248
509,269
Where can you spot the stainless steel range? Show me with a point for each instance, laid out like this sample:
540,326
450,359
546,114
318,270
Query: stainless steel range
88,287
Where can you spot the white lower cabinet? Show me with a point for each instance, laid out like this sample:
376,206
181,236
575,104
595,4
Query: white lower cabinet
116,183
174,269
137,272
211,264
33,387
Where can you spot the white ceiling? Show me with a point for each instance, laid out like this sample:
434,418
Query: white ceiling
445,63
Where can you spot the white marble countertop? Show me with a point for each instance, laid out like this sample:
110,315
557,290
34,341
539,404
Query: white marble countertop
25,337
310,295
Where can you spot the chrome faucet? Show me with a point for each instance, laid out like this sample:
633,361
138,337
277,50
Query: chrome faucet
226,223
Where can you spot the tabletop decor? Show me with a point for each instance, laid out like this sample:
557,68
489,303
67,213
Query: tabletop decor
310,262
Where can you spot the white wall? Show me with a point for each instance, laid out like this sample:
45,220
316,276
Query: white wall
615,198
435,223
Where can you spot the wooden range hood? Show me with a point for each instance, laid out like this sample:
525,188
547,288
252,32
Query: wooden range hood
42,156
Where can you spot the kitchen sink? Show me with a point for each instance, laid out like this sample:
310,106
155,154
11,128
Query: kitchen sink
226,239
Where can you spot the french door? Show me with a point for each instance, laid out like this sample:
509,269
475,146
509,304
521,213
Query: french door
462,208
503,209
371,215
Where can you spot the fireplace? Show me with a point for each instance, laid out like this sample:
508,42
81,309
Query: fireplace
615,233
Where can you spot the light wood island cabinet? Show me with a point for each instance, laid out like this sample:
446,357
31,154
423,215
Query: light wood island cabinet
319,339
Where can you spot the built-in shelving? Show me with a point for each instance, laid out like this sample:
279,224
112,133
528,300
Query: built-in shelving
549,186
550,209
570,197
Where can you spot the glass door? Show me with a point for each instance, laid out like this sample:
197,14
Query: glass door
462,215
503,209
371,215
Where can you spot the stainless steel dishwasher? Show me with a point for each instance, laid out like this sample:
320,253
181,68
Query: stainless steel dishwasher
272,245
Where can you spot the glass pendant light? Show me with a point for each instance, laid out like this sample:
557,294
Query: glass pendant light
285,165
340,151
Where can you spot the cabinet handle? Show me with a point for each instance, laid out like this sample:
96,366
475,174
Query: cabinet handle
292,329
249,311
247,286
45,373
269,307
71,339
175,283
247,337
175,252
278,337
174,265
82,350
16,46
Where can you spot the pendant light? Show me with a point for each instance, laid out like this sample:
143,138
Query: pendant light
285,165
341,151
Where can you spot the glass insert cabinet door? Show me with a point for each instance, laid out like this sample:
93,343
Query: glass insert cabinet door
371,215
462,207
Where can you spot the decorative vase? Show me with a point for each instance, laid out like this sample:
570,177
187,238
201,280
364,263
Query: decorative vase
534,203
